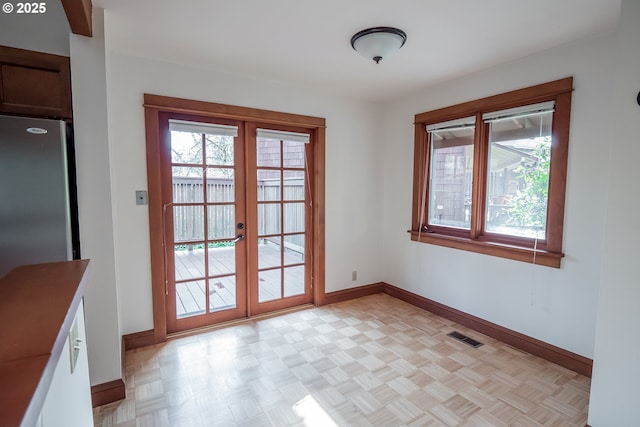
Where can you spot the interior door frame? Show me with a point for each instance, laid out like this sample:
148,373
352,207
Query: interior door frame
155,106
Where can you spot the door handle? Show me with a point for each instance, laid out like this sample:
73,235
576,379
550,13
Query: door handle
238,238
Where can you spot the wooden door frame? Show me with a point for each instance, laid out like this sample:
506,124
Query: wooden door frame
154,106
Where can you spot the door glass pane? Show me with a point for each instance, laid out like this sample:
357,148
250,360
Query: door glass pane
189,261
190,298
451,178
268,185
222,293
294,217
188,223
269,285
219,149
269,252
186,147
220,185
268,152
222,222
518,178
294,249
268,218
222,258
293,154
293,281
294,185
187,184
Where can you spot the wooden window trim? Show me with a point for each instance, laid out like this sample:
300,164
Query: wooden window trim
155,106
547,252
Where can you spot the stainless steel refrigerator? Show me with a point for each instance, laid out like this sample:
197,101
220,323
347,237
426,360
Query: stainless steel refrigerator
38,206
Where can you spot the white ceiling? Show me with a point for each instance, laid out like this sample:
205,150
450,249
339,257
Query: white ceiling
307,43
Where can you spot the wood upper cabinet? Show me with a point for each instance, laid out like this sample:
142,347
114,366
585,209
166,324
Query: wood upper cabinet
34,83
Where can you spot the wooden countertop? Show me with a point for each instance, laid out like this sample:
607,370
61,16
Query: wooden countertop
37,308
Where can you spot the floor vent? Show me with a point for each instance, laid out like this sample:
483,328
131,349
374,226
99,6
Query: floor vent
465,339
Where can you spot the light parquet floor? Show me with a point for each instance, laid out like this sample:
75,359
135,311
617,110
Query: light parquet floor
373,361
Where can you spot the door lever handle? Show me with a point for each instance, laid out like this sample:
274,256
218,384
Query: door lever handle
238,238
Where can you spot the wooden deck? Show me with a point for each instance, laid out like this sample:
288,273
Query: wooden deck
191,297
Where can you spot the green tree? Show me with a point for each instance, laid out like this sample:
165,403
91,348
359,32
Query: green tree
529,207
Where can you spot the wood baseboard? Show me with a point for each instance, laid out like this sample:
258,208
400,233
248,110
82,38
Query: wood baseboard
123,361
139,339
147,338
104,393
551,353
352,293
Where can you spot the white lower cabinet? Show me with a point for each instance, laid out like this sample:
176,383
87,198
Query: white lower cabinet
68,403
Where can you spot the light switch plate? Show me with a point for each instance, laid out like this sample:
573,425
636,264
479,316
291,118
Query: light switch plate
141,198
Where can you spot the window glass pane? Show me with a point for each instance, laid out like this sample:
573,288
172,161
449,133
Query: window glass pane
294,217
293,249
188,223
269,252
189,261
219,150
293,281
518,176
268,185
187,184
451,177
222,222
268,152
269,218
220,185
222,258
294,185
190,298
269,285
186,147
222,293
293,154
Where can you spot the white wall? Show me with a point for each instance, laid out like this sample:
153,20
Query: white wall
46,32
353,178
554,305
49,32
89,86
616,371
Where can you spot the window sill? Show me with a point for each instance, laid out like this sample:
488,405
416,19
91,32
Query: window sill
539,257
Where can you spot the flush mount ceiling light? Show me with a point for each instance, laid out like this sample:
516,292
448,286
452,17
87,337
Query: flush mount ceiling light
378,42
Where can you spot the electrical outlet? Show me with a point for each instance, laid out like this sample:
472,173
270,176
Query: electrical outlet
354,275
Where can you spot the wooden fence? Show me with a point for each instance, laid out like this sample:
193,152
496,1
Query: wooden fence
189,220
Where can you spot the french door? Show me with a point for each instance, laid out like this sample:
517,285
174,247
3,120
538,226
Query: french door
236,200
279,200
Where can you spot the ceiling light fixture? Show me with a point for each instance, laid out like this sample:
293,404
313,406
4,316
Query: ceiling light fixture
378,42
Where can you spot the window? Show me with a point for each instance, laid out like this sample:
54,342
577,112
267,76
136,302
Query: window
489,174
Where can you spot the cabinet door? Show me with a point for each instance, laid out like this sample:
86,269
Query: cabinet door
68,402
34,83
